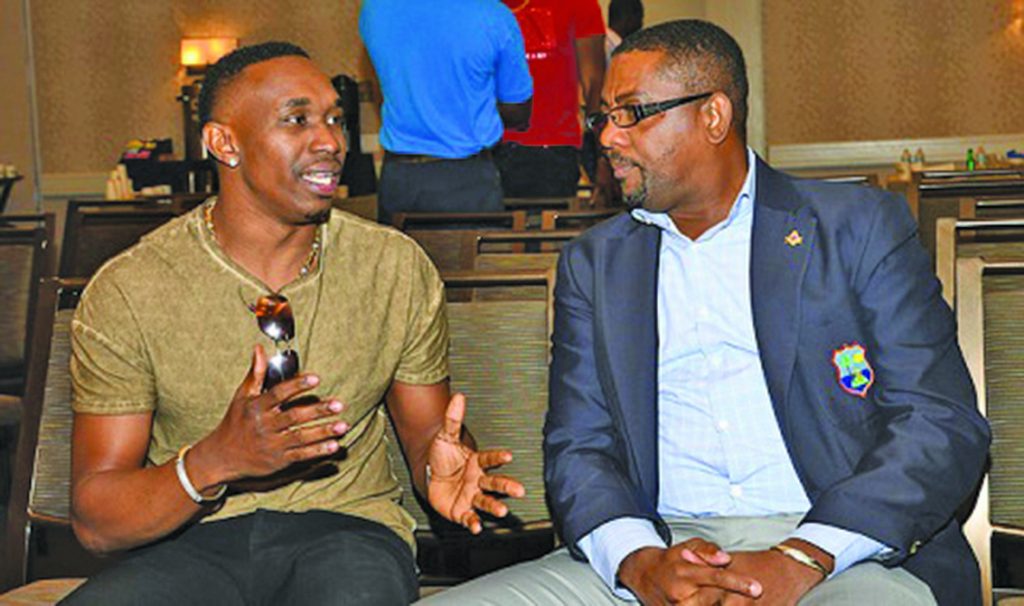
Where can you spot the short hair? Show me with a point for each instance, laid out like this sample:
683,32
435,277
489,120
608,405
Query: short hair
701,54
230,65
625,16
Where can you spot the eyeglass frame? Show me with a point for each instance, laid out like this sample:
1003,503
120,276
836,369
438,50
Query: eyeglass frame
639,111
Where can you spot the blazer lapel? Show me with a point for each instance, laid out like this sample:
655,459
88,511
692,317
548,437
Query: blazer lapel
628,323
782,243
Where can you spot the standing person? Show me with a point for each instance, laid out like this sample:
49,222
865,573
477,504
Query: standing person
624,18
756,393
565,49
226,492
453,75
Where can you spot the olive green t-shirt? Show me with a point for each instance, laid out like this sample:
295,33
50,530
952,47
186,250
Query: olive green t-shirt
164,328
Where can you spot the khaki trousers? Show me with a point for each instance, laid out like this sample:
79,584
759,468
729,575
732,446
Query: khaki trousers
558,579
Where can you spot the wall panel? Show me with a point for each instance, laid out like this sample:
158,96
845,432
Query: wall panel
15,107
107,70
863,70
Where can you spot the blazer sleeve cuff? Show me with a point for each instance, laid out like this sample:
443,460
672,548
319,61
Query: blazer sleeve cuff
608,544
847,547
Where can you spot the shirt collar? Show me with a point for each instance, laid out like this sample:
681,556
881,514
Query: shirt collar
741,207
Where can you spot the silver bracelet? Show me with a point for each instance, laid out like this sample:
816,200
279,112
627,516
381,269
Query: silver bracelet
190,489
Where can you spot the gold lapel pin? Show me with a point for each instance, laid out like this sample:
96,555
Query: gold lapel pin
794,238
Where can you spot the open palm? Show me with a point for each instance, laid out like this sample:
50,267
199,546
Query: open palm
459,478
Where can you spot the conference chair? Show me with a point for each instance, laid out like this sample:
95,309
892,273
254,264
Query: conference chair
932,195
26,254
865,179
525,241
537,205
41,498
959,238
499,359
990,303
449,239
991,208
535,250
95,230
575,219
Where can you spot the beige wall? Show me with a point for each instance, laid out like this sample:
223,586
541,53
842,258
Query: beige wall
15,113
850,70
833,70
108,70
659,11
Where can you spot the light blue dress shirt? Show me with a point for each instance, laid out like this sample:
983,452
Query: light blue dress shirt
720,450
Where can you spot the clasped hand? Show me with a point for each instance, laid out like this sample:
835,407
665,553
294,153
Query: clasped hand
458,481
698,572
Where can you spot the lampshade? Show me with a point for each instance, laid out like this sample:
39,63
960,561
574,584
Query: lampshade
200,52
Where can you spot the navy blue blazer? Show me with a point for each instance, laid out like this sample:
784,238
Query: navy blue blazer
892,465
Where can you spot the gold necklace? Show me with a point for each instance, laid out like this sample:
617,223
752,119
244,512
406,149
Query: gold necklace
314,249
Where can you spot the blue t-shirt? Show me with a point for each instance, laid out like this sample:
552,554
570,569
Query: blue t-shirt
443,66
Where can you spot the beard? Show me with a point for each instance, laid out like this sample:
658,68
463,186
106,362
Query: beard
649,188
637,197
319,217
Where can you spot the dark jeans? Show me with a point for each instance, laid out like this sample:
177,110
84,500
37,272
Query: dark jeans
266,557
453,186
538,172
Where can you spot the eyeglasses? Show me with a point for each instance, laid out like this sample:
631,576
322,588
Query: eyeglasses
628,116
275,319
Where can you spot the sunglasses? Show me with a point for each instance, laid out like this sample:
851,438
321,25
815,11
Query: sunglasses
275,319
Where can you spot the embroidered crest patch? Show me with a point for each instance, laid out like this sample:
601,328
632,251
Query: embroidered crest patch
853,371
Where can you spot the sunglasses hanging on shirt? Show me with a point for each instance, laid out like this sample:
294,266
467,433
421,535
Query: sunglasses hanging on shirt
275,319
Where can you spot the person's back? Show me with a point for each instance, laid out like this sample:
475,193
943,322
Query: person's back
440,66
453,75
565,50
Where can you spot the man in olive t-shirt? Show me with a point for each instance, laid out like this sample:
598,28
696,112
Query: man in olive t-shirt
291,487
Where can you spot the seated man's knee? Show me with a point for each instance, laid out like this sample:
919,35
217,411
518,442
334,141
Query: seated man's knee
144,582
353,568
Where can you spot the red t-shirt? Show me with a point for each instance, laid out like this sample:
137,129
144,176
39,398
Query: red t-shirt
550,30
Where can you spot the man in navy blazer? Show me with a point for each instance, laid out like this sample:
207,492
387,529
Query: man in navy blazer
756,392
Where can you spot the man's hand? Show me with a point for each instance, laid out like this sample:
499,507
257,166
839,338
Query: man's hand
693,572
258,437
784,579
457,474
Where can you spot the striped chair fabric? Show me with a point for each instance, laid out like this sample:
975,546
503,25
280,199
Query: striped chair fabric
499,359
42,481
990,303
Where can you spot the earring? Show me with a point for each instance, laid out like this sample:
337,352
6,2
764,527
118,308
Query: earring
233,162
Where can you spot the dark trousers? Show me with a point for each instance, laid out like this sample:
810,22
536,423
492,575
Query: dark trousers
538,172
266,557
453,186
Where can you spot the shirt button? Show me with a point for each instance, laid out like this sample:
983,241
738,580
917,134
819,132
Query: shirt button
723,426
736,490
702,313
